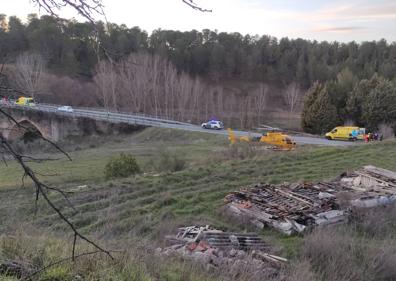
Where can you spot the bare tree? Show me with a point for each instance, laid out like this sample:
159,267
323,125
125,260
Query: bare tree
127,77
139,80
198,91
149,84
184,93
106,81
291,96
28,73
260,100
170,89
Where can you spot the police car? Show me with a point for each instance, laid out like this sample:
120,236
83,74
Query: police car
213,124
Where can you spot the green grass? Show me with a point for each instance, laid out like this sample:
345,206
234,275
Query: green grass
146,204
88,165
132,264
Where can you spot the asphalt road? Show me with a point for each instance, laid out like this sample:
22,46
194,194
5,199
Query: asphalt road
298,139
137,119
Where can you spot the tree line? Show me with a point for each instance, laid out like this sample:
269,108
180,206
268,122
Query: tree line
369,103
74,47
188,76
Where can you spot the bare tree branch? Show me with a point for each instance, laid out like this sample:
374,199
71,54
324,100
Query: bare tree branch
193,5
86,8
41,189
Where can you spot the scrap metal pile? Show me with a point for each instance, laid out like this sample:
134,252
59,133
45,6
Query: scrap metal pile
212,247
292,208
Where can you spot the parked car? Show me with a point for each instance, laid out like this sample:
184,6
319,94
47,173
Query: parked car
213,124
65,108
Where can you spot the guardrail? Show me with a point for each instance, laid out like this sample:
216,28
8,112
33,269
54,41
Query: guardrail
101,115
120,113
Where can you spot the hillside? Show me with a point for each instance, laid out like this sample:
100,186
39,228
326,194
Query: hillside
188,76
141,210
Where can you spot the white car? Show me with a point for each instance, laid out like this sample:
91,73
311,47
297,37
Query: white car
213,124
65,108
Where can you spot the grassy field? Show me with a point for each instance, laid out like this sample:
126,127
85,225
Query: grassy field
90,155
153,203
141,204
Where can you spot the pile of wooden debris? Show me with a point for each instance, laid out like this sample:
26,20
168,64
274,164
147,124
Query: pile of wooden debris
288,208
369,187
212,247
292,208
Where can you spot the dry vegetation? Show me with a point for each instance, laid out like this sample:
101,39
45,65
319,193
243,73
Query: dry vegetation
151,84
364,249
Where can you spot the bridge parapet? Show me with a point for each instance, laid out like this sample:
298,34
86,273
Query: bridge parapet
56,125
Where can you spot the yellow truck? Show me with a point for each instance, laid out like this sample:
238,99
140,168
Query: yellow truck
25,101
346,133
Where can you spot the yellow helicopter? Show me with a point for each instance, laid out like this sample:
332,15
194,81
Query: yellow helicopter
278,140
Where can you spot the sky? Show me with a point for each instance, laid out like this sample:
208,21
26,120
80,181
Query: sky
358,20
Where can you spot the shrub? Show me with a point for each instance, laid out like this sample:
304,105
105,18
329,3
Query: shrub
122,166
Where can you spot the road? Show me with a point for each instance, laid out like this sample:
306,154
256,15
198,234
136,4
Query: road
298,139
139,119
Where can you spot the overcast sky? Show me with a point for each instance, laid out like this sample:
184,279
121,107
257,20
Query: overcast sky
330,20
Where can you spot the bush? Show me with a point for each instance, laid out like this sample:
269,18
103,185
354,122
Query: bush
122,166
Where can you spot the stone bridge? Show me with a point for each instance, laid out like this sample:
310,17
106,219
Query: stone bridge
53,126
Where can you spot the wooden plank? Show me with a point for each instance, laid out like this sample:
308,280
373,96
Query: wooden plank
291,195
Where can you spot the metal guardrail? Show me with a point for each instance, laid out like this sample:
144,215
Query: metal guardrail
101,115
113,113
